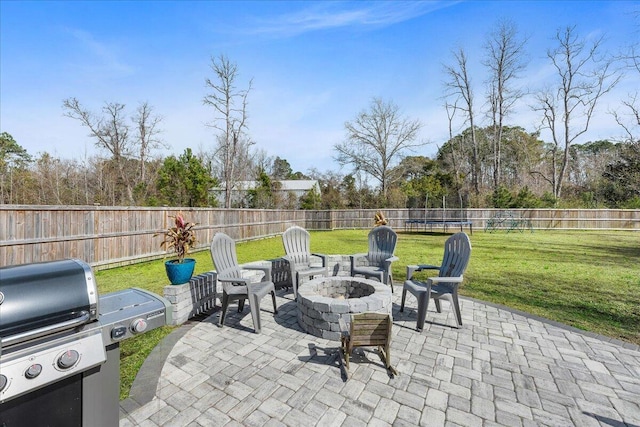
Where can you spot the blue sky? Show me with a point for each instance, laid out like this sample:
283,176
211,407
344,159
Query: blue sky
314,65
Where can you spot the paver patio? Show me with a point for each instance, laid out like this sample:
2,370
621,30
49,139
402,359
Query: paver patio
502,368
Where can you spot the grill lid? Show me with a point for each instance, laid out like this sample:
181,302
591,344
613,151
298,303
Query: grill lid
42,298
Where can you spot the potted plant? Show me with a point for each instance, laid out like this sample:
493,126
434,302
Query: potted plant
179,238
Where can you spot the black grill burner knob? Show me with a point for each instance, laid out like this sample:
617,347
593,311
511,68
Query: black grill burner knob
68,359
3,382
33,371
138,326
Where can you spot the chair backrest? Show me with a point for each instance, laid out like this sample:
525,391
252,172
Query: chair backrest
223,254
382,244
297,246
369,329
457,251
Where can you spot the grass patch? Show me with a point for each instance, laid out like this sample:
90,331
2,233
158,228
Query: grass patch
586,279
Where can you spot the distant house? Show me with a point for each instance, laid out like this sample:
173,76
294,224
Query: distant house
288,188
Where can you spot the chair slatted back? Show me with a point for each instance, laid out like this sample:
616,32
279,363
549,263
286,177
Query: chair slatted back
457,251
297,245
382,244
223,254
370,329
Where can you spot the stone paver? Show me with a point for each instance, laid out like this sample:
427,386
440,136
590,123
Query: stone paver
502,368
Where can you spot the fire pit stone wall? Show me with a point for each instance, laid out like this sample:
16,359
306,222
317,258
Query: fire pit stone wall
323,301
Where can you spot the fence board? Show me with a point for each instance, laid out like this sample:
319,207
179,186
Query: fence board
105,236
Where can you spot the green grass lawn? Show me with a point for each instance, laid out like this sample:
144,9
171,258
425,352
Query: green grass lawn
586,279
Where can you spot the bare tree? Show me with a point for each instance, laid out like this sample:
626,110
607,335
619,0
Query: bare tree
377,140
112,134
628,117
459,86
230,119
504,52
455,152
584,76
632,56
147,130
109,130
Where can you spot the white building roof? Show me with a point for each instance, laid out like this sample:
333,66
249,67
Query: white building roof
297,185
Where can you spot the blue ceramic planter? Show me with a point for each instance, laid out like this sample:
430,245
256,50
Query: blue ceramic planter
179,273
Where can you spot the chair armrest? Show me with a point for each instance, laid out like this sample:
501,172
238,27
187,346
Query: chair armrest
445,279
240,280
388,261
323,257
428,267
419,267
265,268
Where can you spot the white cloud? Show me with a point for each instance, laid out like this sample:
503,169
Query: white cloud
328,15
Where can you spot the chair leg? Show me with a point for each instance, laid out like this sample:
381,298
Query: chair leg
404,295
349,351
383,356
438,306
273,297
225,305
294,284
391,369
344,350
254,305
456,307
385,351
241,305
423,304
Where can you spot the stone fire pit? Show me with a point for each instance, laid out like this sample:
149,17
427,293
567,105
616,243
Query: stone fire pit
323,301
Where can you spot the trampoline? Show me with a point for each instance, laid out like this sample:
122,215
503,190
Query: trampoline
410,224
443,222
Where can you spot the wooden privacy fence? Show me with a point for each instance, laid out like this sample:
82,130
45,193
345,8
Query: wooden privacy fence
109,236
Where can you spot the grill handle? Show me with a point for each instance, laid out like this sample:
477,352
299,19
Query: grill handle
37,333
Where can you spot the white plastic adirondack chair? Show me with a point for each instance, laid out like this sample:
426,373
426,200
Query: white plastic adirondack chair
296,241
234,286
377,262
457,251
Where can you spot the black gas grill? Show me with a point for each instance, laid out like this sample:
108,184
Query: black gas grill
59,344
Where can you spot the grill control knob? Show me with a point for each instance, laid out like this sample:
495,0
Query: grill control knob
138,326
118,333
33,371
68,359
3,382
